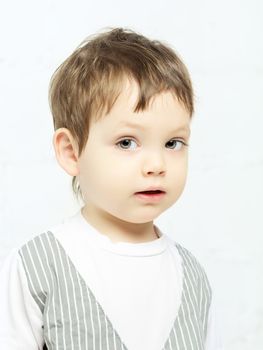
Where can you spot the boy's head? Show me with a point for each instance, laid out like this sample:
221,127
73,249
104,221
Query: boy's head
112,79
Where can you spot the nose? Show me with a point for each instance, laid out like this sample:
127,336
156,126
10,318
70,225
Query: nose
154,164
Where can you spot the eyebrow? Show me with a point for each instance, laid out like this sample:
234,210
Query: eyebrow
139,126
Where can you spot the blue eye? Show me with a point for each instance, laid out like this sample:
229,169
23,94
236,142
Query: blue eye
126,142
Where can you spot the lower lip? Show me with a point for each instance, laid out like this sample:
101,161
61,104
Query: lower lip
150,197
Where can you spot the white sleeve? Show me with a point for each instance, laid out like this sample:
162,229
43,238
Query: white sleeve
214,335
20,316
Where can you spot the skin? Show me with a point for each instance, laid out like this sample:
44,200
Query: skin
110,171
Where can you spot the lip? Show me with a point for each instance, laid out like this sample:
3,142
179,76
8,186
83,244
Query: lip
152,188
154,197
151,197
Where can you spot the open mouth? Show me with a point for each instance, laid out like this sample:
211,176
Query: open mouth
150,196
151,192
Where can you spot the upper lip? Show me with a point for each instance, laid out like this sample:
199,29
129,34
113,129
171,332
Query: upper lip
153,188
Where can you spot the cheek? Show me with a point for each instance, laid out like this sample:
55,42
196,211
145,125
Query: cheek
101,175
179,173
114,165
183,174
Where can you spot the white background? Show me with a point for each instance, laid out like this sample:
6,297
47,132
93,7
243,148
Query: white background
219,215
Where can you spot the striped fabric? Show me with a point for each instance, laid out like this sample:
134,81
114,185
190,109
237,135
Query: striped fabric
72,317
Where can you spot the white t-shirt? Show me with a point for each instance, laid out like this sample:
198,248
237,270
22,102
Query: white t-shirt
139,286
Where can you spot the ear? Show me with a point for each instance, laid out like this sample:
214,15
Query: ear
66,151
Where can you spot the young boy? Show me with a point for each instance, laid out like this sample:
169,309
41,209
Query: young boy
108,277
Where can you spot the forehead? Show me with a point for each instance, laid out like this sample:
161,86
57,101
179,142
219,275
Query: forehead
184,126
163,109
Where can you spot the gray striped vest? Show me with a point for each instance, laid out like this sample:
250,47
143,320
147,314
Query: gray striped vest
72,317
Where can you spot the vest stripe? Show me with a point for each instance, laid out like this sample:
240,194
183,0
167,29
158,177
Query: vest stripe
205,300
201,285
192,306
192,299
74,311
74,320
50,312
31,285
42,270
61,340
35,278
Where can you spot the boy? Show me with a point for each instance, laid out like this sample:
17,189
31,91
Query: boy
107,277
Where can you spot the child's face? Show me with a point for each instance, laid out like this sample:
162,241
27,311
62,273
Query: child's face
112,170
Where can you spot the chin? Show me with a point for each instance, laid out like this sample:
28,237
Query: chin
143,218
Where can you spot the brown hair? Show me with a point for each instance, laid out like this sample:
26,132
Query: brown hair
87,84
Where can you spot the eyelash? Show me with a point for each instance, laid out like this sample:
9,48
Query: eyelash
184,144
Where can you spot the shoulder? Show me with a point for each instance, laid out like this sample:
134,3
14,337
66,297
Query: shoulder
34,242
43,249
40,252
9,262
190,259
44,240
194,268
